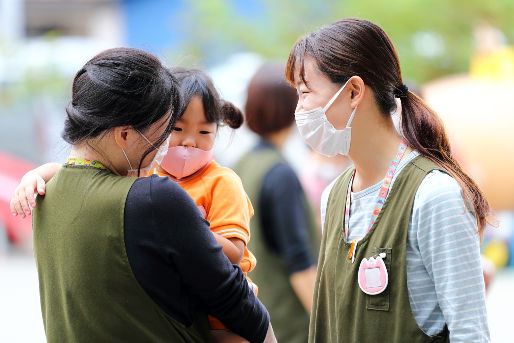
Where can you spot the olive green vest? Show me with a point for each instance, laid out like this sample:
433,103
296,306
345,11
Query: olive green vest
87,288
289,319
342,312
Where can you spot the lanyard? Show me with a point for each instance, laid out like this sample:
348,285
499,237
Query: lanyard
382,194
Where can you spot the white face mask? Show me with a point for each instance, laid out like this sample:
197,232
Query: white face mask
159,156
320,134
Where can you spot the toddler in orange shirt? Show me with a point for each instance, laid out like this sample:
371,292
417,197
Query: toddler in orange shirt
217,191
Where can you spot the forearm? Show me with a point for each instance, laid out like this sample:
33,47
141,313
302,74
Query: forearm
303,285
233,248
46,171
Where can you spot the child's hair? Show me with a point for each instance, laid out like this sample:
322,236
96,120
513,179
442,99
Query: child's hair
196,82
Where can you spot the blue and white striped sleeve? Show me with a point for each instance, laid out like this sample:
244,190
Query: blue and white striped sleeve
449,245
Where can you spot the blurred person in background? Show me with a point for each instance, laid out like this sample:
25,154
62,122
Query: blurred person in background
118,257
400,256
317,173
284,236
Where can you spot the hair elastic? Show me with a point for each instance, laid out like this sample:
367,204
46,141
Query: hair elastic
401,91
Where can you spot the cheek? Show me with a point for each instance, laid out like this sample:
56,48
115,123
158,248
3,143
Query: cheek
206,142
337,116
174,139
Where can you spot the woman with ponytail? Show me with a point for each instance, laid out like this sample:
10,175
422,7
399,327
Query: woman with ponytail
399,258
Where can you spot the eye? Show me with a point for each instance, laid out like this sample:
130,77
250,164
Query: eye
204,132
177,129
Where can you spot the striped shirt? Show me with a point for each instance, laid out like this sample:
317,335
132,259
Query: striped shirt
444,272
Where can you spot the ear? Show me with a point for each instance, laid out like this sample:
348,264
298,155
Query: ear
357,88
121,134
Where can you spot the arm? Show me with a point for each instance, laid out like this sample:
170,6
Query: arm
204,271
448,241
303,285
31,184
286,229
233,248
229,214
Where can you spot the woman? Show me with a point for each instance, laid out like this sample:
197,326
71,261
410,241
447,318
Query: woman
118,257
284,236
399,258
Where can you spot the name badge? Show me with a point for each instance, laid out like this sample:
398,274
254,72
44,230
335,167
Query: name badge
373,277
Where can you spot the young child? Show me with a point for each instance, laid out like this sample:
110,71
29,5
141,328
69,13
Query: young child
217,191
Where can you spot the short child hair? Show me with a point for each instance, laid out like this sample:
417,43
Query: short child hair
194,82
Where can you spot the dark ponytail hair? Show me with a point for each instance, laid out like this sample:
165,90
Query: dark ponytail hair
358,47
120,87
194,82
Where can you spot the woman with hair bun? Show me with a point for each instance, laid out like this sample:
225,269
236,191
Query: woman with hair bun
400,256
124,259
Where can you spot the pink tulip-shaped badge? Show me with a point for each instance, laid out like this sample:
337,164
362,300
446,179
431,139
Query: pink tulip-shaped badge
373,276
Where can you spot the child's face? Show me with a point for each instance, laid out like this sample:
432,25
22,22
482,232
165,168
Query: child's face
192,129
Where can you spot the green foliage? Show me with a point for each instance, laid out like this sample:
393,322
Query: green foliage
217,28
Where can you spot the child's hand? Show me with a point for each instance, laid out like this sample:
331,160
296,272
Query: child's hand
23,200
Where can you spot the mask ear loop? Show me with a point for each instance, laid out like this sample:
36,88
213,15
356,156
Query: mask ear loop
153,146
130,165
351,117
331,101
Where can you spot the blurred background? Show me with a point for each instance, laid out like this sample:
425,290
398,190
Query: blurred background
458,55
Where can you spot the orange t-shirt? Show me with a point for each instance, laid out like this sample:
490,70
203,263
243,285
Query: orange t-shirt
219,194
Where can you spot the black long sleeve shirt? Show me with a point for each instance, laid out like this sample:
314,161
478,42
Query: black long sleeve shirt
284,217
178,262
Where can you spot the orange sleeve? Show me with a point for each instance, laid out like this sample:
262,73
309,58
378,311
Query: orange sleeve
230,210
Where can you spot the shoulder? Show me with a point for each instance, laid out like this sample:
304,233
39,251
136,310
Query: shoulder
218,177
438,186
281,175
159,193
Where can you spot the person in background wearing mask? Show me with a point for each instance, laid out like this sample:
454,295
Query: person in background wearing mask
119,257
400,257
284,236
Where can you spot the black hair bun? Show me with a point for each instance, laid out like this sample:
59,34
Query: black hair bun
231,115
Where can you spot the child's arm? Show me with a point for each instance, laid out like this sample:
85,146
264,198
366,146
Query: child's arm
232,247
31,184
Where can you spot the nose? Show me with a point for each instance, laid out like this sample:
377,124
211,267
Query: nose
188,141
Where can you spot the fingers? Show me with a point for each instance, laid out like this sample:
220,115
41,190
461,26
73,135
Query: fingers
16,206
41,186
27,199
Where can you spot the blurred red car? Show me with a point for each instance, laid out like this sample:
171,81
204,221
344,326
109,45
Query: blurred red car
18,230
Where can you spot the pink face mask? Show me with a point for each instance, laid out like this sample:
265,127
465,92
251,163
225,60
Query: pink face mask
181,161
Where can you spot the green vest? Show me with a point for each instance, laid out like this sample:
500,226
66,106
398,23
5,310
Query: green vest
87,288
342,312
289,319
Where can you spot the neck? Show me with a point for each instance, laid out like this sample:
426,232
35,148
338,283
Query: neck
89,152
279,138
372,155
